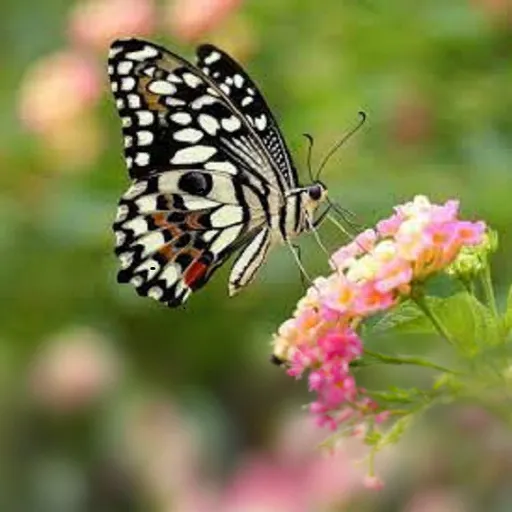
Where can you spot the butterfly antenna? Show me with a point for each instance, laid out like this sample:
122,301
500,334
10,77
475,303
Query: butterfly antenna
311,142
362,119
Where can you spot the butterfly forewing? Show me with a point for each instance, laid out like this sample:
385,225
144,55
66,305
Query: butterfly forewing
205,182
244,94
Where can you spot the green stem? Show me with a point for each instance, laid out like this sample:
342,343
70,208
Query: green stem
416,361
420,301
489,290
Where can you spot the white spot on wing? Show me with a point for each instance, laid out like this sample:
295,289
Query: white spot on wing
152,242
146,204
174,102
126,259
246,101
147,52
238,80
133,101
145,117
170,274
120,238
188,135
194,203
226,216
114,51
144,138
161,87
225,239
138,188
151,266
231,124
136,281
181,118
122,213
227,167
155,292
138,225
208,123
200,102
213,57
193,155
142,159
261,122
208,235
192,80
124,67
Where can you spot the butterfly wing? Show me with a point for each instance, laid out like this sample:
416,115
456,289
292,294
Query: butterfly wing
204,183
244,94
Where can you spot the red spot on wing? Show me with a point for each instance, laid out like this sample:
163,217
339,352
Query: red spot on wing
194,272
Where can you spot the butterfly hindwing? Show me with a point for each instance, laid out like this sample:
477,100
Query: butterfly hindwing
170,241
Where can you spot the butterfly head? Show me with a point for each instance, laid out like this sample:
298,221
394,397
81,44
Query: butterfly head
314,195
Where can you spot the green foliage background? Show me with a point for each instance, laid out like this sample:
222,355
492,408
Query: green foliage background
435,80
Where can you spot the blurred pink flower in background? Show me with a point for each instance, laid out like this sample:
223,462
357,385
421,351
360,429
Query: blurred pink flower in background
499,11
163,448
73,370
261,484
436,500
189,20
73,146
57,89
96,23
330,476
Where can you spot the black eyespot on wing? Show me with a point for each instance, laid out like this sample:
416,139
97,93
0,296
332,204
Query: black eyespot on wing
196,183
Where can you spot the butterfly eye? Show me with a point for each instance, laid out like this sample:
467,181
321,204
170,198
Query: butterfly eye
315,192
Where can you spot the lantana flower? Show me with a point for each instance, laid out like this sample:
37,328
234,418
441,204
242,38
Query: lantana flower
371,274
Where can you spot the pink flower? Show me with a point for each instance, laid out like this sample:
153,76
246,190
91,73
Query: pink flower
73,370
189,20
371,274
57,90
373,482
96,23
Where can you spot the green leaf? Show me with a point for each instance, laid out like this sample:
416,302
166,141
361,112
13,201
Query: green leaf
470,323
507,317
403,319
394,434
403,396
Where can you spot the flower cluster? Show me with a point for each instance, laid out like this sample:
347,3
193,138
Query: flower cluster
372,273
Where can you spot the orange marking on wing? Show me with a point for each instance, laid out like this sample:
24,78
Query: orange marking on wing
194,272
150,98
193,221
160,219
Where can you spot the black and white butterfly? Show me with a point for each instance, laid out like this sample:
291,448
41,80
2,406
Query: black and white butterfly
211,173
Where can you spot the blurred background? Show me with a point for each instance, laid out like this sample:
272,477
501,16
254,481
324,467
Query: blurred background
113,402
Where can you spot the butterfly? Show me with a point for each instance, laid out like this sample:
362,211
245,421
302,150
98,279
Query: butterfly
211,173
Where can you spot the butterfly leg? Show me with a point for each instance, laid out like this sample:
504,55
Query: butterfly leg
303,280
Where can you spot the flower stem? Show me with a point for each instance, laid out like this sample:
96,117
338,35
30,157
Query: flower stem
416,361
420,301
489,290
